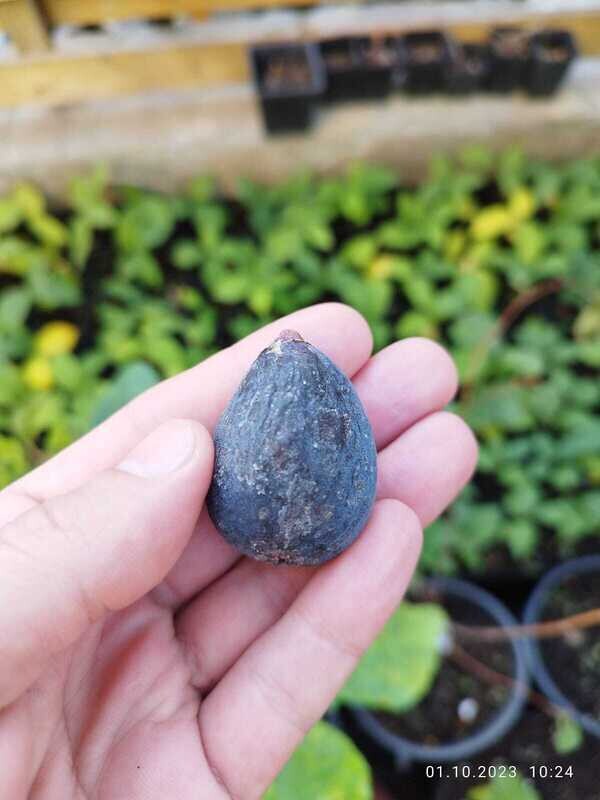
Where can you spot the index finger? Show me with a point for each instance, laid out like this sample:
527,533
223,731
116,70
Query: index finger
200,393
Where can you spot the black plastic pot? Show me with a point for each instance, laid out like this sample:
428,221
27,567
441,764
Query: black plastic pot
509,55
469,69
534,609
551,53
353,71
427,57
290,81
389,748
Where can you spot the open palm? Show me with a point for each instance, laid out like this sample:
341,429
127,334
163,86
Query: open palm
140,656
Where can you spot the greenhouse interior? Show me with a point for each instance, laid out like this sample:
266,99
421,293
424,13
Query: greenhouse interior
348,255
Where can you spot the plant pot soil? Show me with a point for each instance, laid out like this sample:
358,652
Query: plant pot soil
358,68
509,51
551,53
530,745
440,729
290,81
469,69
427,56
567,668
436,719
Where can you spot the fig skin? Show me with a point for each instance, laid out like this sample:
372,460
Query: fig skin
295,461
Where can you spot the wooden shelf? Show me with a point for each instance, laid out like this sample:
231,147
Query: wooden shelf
215,53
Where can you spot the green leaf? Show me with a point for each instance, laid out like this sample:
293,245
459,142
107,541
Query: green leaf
567,736
503,406
30,200
582,441
504,787
141,267
564,517
360,251
522,538
13,461
530,242
10,215
202,188
522,499
399,668
130,381
15,304
51,290
413,323
260,300
49,230
81,240
328,766
186,254
146,224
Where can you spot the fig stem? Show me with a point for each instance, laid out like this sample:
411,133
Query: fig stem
289,335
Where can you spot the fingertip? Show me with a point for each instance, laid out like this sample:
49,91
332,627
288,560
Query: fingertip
203,444
339,330
465,441
403,383
348,318
442,369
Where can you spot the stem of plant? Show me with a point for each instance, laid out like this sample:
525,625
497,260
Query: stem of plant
540,630
486,674
513,310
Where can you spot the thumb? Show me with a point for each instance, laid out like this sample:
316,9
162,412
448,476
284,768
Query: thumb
73,558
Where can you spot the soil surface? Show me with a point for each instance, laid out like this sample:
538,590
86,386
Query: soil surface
291,71
459,703
511,44
573,661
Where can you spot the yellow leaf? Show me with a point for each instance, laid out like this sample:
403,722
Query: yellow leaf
56,338
381,268
29,199
37,373
491,222
521,204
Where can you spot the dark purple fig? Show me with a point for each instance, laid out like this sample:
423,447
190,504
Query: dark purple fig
295,461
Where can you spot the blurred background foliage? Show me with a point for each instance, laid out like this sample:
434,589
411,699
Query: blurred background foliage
496,257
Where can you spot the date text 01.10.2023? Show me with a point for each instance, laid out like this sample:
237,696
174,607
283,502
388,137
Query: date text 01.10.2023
490,771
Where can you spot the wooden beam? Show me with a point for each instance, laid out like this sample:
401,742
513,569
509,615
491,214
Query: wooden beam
214,6
93,12
57,81
24,23
585,27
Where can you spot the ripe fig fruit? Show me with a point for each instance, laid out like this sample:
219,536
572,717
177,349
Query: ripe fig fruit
295,460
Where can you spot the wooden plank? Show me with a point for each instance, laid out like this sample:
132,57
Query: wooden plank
24,23
57,81
214,6
76,12
92,12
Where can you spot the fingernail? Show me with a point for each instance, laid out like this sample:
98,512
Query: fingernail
163,452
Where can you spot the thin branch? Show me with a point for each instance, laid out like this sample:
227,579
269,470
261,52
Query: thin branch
539,630
512,311
525,299
490,676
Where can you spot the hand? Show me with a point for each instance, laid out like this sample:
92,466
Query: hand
140,656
